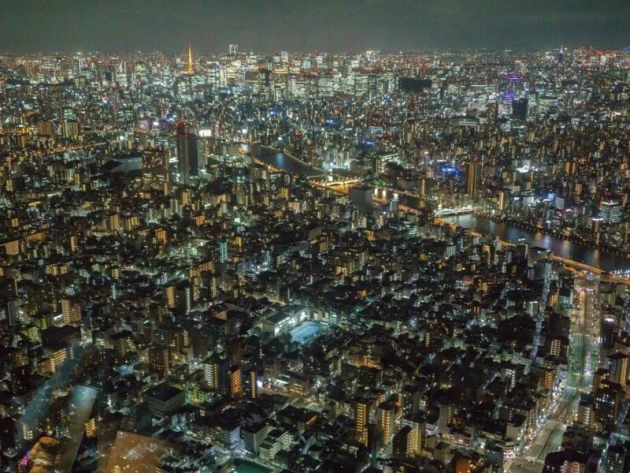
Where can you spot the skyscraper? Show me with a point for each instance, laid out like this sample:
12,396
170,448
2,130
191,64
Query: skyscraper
187,153
472,170
190,69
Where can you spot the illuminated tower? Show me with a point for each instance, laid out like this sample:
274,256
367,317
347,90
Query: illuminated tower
190,69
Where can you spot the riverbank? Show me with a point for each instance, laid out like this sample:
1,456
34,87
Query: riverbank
298,162
563,248
566,250
588,243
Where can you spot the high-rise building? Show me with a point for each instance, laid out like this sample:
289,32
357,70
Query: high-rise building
216,374
159,361
405,441
361,420
187,153
178,297
607,403
610,211
618,459
520,108
472,171
619,369
250,384
233,49
222,250
235,381
155,168
387,420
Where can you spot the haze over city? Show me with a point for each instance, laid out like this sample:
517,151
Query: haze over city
302,25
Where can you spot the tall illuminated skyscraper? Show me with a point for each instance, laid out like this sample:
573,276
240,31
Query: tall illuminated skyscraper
190,69
187,153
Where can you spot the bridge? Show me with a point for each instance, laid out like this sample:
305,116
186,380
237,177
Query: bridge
465,209
343,187
342,183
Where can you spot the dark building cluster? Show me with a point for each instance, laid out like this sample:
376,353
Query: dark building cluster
246,263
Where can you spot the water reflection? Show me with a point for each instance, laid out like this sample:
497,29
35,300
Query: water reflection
560,247
281,161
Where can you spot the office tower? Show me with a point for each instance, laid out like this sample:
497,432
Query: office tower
46,128
187,153
519,108
445,416
610,211
472,171
233,49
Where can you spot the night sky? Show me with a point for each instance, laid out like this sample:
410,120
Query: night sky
308,25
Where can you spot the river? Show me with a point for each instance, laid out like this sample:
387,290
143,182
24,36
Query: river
560,247
279,160
564,248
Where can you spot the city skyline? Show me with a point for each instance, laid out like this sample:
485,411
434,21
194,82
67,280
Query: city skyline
110,26
317,262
